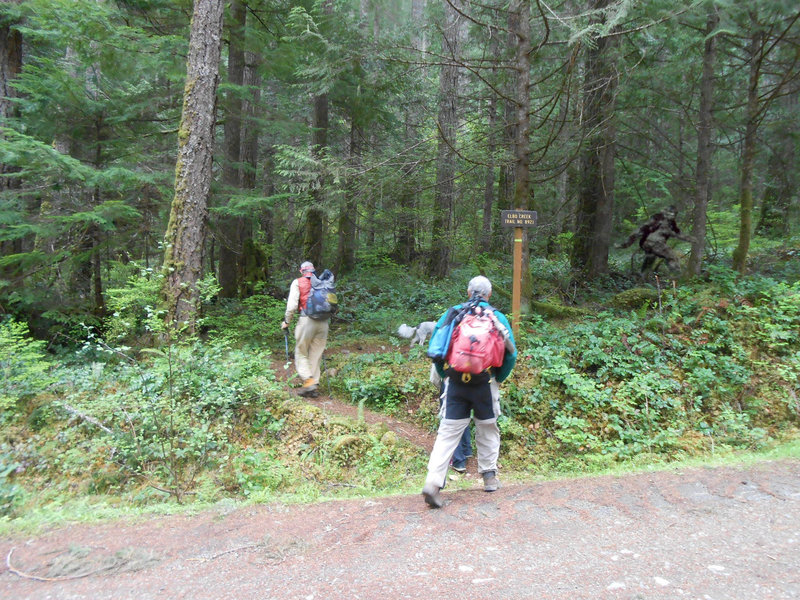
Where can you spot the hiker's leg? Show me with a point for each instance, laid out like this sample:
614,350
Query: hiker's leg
487,434
455,413
303,336
319,337
447,438
487,439
463,449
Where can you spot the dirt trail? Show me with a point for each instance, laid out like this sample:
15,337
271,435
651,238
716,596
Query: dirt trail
331,404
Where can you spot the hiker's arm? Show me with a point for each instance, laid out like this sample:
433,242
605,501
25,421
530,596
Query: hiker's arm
439,365
292,304
510,358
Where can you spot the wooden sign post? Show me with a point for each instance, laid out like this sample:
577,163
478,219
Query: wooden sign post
518,219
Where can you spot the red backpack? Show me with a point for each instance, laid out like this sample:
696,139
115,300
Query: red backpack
476,344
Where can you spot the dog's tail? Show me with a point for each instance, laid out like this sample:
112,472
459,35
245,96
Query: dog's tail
404,331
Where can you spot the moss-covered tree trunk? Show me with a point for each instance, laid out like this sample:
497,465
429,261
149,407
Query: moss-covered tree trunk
704,147
749,153
10,67
185,236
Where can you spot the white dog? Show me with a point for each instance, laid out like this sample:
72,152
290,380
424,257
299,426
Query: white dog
418,333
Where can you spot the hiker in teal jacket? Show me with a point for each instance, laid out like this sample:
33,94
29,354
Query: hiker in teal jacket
466,396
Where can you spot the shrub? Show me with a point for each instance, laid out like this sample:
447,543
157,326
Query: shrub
23,367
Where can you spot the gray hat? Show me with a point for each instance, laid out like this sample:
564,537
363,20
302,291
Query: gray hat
307,267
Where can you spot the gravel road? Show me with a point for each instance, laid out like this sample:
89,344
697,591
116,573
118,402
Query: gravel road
722,533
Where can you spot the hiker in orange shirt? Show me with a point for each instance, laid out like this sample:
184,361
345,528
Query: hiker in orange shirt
310,335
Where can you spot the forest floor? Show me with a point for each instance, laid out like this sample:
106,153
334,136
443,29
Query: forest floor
701,533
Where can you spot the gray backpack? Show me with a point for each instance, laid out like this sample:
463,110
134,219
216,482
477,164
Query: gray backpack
322,301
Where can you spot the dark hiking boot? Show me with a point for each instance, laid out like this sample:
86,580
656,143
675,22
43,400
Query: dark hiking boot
432,496
490,481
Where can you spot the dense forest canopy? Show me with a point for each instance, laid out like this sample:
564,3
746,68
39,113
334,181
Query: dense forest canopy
352,130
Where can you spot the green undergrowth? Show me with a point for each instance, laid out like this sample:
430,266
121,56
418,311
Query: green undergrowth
701,373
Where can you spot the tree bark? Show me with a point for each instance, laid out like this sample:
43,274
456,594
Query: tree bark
253,270
230,242
10,67
596,197
405,247
505,185
185,235
489,179
315,222
347,217
704,147
749,152
313,241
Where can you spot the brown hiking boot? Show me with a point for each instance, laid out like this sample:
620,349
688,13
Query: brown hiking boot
308,389
432,496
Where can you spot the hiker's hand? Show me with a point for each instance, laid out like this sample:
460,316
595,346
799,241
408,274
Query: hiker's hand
284,325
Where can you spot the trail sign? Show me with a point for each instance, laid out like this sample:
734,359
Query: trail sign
517,219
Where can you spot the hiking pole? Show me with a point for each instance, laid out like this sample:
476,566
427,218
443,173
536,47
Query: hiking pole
286,342
327,375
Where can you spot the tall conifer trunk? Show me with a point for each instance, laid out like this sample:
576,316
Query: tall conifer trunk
185,235
704,147
10,67
315,223
490,175
749,152
229,227
596,198
313,242
441,241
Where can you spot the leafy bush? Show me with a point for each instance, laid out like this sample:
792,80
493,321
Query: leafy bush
383,381
10,493
23,367
613,386
253,320
379,299
135,308
173,416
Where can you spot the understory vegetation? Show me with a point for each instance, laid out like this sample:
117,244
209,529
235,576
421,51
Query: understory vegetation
133,417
